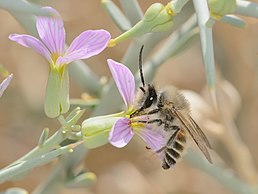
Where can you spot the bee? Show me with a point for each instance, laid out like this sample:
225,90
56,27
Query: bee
169,109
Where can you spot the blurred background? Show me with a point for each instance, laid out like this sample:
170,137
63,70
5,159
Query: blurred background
131,170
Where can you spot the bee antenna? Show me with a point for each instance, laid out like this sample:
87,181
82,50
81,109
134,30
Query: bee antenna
140,66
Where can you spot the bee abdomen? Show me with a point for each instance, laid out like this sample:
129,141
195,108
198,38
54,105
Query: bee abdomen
173,152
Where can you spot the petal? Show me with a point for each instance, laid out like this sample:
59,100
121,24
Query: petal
124,80
31,42
51,31
5,84
121,133
87,44
153,138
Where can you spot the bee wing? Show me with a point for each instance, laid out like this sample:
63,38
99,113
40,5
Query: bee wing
200,132
196,133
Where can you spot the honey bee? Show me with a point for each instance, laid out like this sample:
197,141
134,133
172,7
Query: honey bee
169,109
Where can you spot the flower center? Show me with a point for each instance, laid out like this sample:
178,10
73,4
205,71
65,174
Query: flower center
54,57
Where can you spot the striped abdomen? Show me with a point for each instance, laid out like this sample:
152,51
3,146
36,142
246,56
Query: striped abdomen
174,149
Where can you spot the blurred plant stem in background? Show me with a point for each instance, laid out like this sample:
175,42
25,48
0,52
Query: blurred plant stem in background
47,150
175,40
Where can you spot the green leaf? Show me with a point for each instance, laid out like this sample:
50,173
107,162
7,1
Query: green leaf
202,11
23,6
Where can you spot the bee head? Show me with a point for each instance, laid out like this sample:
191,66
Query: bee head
146,95
149,96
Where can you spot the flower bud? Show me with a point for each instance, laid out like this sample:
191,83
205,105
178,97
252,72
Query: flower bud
96,130
157,18
219,8
57,92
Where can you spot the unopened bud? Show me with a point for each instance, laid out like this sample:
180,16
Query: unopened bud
219,8
157,18
57,92
96,130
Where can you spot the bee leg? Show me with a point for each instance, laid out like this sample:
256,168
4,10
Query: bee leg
136,112
173,137
154,111
159,121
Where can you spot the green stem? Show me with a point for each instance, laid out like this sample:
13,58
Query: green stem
247,8
63,172
46,152
177,5
132,10
50,144
24,166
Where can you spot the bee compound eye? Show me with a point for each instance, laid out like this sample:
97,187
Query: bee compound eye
148,102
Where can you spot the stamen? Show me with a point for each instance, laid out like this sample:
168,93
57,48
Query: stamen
137,125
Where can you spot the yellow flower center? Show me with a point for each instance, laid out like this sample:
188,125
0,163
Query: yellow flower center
137,125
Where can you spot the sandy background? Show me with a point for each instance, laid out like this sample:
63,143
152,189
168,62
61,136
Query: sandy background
129,170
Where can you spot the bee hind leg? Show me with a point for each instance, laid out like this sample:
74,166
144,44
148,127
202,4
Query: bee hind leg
171,140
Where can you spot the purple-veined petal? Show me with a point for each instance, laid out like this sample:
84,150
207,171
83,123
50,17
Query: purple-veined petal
51,31
153,138
5,84
121,133
31,42
87,44
124,80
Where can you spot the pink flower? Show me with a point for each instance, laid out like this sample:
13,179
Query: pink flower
124,128
52,44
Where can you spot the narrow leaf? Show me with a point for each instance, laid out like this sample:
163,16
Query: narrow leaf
116,15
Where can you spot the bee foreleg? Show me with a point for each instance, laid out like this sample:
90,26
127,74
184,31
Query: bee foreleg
154,111
159,121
